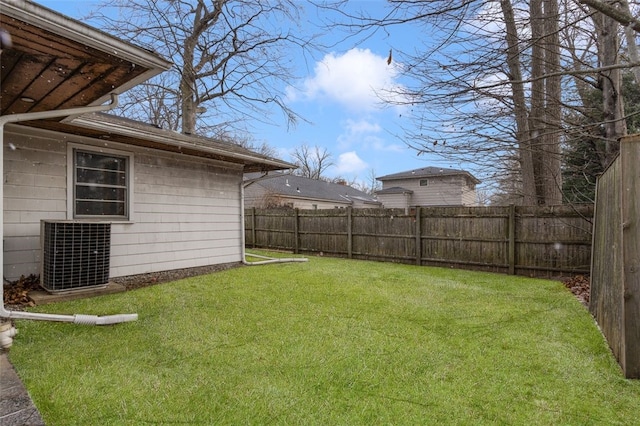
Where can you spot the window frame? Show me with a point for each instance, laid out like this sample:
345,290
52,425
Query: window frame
423,182
72,149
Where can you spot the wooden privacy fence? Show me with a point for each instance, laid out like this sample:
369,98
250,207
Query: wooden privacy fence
531,241
615,276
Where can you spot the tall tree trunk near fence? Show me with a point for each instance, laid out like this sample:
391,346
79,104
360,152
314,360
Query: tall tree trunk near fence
610,82
523,135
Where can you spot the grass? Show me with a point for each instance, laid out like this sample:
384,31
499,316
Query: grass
330,341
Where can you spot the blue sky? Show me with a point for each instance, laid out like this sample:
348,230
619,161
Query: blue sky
337,95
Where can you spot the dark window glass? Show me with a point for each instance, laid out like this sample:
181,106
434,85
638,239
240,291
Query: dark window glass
100,184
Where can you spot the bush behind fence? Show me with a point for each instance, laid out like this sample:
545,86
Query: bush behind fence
532,241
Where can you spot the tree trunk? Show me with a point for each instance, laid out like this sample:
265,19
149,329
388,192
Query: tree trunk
537,113
188,88
520,106
611,82
552,164
632,47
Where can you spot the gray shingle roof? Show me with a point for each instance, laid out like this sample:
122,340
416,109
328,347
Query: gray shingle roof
297,186
395,190
426,172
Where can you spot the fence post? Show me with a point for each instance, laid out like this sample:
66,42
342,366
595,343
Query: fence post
253,227
349,232
296,231
418,237
630,213
511,231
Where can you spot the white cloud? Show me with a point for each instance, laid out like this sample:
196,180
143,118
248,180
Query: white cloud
349,162
365,134
355,127
357,79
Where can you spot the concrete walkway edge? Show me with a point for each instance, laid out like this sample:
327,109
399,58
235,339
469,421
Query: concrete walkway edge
16,406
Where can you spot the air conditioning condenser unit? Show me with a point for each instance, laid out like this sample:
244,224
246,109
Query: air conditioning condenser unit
75,255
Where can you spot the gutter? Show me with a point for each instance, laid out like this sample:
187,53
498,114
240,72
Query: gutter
174,139
6,335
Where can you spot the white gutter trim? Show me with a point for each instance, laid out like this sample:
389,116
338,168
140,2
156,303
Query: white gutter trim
78,318
174,141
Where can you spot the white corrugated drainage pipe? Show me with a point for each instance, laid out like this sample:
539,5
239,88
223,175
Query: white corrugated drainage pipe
77,319
243,243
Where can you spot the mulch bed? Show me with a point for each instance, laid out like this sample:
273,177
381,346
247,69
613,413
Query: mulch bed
16,293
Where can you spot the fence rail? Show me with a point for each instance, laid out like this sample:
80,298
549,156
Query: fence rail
532,241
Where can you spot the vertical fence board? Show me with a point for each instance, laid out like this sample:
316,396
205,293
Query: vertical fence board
511,237
525,241
606,278
630,179
615,265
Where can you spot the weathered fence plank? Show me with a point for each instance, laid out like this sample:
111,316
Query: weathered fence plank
517,240
630,156
615,280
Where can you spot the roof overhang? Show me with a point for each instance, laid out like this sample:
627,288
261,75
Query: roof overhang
54,62
57,63
112,129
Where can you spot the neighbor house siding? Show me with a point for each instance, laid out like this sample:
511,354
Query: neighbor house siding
309,204
440,191
395,201
186,211
306,204
469,197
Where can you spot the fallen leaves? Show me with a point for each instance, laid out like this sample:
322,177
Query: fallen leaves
16,293
580,286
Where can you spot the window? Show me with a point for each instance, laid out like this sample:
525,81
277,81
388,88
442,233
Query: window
100,184
424,182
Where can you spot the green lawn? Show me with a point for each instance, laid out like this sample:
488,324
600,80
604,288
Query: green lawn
329,342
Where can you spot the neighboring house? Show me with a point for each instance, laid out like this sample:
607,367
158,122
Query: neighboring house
428,186
173,200
287,190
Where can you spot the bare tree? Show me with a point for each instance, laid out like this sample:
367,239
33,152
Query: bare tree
311,162
622,15
371,183
229,56
493,82
610,82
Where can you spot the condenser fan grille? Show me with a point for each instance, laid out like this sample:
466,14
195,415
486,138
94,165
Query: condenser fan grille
75,255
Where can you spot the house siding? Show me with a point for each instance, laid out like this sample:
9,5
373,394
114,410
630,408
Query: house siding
186,211
303,204
441,191
394,201
469,196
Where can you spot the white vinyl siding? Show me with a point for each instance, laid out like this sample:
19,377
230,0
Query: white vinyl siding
395,201
186,211
441,191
